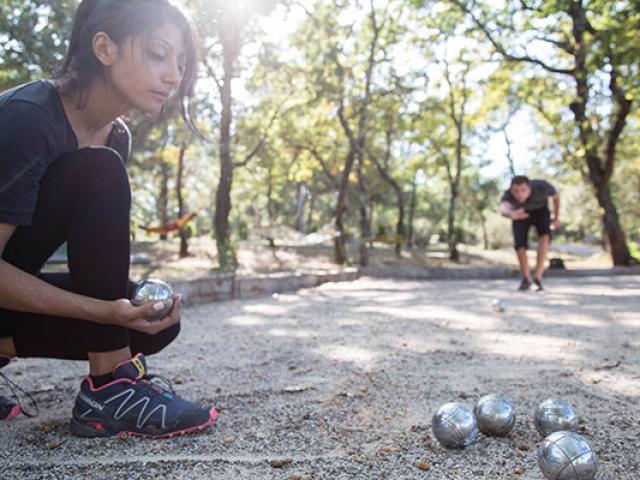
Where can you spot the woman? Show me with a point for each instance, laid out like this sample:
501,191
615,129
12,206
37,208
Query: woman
63,150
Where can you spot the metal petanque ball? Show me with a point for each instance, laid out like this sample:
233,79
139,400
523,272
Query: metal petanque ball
454,425
554,415
495,415
498,305
153,290
567,456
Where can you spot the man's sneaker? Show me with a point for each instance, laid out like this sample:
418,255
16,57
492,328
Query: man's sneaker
538,283
525,284
132,405
8,408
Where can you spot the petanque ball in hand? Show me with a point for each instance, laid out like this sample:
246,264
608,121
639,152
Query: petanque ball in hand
495,415
153,290
567,456
454,425
554,415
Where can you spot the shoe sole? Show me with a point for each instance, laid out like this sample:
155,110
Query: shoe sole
13,413
95,430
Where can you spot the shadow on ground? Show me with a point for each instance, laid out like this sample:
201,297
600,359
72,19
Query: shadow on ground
341,381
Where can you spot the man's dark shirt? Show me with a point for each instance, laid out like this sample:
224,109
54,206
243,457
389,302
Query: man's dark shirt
541,190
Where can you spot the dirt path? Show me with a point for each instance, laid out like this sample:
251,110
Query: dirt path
343,380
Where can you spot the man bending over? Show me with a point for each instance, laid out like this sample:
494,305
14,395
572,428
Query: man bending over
525,202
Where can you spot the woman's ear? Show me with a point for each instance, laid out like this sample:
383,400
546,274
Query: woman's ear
104,48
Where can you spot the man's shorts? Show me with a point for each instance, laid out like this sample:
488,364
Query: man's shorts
540,218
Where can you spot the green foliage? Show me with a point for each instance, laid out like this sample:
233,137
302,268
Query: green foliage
430,57
33,38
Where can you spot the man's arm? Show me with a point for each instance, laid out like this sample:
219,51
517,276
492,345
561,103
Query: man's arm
555,221
506,209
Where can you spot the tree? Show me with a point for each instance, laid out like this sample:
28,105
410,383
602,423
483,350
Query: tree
232,23
33,39
588,42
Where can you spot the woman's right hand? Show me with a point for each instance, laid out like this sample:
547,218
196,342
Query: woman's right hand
134,317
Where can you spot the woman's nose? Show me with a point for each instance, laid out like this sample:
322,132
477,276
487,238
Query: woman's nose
173,74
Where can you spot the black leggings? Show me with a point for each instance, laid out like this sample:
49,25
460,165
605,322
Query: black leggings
85,200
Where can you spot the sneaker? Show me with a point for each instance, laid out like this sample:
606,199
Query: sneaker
538,283
8,408
132,405
525,284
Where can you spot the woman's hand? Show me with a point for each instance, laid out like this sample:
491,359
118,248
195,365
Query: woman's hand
128,315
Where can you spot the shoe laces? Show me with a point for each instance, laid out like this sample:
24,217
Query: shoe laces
163,381
14,387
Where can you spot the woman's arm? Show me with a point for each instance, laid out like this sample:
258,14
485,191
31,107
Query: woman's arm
27,293
21,291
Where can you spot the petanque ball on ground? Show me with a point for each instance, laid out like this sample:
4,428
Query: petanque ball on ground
554,415
498,305
454,425
495,415
154,290
567,456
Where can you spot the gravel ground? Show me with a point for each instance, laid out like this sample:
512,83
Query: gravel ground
341,381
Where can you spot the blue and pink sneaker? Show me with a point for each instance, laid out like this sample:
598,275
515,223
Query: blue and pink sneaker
8,408
132,405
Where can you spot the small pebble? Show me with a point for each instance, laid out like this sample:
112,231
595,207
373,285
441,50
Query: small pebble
276,463
423,465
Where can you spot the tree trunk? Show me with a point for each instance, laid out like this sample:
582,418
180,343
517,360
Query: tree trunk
617,242
400,224
163,197
226,253
312,205
300,198
452,241
184,243
340,249
365,227
485,236
412,212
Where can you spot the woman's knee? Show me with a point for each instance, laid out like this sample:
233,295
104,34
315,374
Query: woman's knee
150,344
100,171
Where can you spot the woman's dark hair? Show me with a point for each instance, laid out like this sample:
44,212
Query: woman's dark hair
519,180
121,19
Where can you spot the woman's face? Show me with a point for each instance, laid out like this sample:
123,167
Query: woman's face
144,74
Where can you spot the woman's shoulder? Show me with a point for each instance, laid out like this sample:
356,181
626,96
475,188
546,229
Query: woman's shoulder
35,103
40,93
30,118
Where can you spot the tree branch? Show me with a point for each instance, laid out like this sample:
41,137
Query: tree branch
260,143
501,50
624,108
561,44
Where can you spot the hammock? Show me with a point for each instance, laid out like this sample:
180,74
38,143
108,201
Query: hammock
171,226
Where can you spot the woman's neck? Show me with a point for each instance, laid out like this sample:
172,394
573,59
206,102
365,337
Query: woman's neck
92,113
